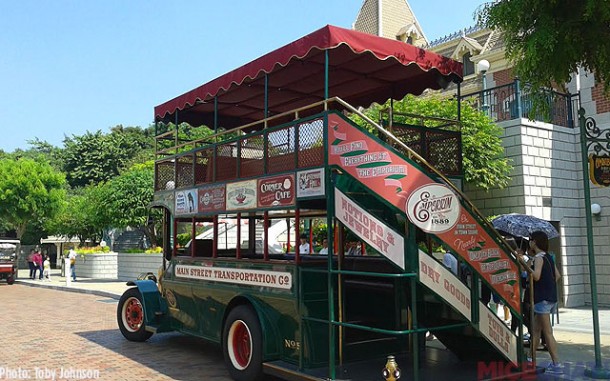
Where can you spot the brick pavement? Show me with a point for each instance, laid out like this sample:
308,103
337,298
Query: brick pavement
54,330
574,333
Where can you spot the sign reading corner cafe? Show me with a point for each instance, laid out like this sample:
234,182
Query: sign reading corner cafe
599,170
431,206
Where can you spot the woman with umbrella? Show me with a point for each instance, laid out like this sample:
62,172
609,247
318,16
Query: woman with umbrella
545,275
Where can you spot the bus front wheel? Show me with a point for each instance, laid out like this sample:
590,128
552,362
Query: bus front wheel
242,344
130,316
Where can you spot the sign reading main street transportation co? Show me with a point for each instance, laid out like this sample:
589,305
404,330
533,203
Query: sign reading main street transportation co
274,279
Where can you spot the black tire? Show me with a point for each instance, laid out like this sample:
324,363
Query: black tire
242,347
130,316
10,279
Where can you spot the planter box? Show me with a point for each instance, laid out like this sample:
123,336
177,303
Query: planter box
97,266
130,265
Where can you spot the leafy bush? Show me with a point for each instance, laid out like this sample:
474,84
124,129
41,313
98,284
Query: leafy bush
183,238
154,250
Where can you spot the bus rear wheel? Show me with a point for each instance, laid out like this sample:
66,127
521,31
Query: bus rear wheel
242,344
130,316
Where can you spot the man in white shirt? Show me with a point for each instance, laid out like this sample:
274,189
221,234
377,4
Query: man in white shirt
304,247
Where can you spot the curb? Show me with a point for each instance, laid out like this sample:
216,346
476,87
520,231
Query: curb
106,294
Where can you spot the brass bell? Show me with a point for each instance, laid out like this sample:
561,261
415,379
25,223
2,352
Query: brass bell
391,372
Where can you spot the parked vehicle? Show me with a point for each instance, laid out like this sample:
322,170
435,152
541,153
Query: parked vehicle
291,148
9,256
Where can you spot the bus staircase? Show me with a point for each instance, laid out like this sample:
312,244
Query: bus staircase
431,297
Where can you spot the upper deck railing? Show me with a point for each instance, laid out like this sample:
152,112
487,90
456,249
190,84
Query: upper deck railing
284,143
513,101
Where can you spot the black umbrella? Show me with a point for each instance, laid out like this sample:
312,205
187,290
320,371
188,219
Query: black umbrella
522,225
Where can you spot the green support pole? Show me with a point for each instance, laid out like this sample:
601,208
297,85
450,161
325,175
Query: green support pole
326,58
266,97
413,255
598,371
215,115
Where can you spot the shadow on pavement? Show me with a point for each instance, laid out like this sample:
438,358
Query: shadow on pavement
175,355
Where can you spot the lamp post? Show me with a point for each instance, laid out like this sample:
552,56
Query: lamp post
591,135
483,66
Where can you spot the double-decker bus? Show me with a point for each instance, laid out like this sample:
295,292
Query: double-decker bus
291,152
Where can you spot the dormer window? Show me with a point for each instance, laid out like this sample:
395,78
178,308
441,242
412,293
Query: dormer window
468,64
464,51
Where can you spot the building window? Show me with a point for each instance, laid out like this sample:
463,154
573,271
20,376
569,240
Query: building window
468,64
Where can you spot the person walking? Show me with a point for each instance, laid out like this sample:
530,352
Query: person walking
47,268
31,264
72,257
37,258
545,274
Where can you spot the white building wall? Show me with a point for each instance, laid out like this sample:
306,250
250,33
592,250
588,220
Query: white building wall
546,183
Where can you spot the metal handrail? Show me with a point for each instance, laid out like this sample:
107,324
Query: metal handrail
411,154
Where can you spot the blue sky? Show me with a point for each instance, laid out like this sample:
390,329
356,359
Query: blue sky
68,66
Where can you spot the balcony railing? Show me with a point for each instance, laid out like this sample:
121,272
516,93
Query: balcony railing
513,101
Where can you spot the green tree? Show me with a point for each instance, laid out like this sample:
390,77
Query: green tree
548,40
29,191
82,215
94,158
128,197
482,153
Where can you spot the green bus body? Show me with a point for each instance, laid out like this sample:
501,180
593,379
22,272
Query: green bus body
311,316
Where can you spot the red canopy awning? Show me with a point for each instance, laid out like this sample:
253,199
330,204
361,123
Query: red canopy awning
362,69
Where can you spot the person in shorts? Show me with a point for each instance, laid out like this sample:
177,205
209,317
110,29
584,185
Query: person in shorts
545,276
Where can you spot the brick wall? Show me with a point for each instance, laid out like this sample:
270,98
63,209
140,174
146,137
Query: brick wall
503,77
602,102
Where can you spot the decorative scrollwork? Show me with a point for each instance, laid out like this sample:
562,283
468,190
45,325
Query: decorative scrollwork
598,140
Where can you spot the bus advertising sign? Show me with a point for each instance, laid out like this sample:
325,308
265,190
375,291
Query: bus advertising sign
374,232
212,198
440,280
250,277
185,202
276,191
310,183
497,333
423,200
241,195
433,208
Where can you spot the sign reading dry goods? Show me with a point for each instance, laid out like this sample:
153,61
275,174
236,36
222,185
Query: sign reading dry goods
310,183
241,195
212,199
276,191
599,170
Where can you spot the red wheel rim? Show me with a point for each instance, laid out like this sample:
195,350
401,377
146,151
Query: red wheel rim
240,345
133,314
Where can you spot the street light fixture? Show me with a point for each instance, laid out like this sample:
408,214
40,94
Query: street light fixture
483,66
